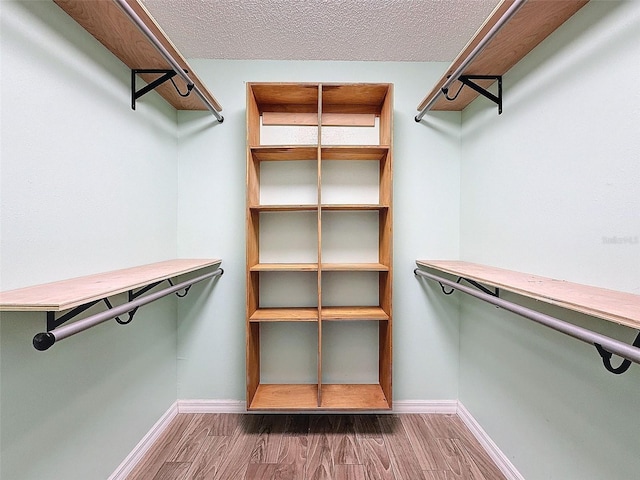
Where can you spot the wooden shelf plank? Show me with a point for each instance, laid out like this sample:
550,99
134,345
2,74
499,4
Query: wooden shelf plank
285,397
289,314
284,208
311,119
284,153
112,27
355,267
353,397
65,294
618,307
285,267
357,152
534,22
353,313
361,397
353,207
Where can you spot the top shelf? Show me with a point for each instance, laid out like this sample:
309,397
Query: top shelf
618,307
65,294
534,22
111,26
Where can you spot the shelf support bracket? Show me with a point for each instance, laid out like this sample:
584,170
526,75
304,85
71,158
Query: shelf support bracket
166,76
606,358
480,287
497,99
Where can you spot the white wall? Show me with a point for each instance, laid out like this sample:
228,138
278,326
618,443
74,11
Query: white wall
543,188
87,185
211,222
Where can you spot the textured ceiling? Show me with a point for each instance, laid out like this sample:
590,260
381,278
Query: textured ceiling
378,30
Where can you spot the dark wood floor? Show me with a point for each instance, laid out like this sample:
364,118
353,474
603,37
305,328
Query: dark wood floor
316,447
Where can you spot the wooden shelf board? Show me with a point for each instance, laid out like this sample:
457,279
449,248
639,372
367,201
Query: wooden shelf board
357,152
311,119
534,22
112,27
353,207
285,397
285,152
285,97
353,397
618,307
284,208
289,314
285,267
354,267
65,294
353,313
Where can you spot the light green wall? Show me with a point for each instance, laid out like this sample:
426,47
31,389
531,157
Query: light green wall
542,186
87,185
211,222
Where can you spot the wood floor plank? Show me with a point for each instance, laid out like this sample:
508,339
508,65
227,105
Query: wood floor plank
153,460
344,446
270,431
295,440
367,426
403,460
461,465
208,460
349,472
172,471
260,471
436,475
424,443
241,445
224,423
191,440
375,459
320,463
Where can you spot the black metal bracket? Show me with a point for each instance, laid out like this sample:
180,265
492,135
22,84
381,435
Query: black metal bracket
468,81
484,289
166,76
606,358
53,322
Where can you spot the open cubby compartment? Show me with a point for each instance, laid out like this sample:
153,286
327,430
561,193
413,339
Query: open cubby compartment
356,176
356,114
282,177
288,237
282,114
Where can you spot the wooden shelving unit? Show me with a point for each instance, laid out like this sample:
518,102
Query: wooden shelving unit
327,129
71,293
110,26
534,22
618,307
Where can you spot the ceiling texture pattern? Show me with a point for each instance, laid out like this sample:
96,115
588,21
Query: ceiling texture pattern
349,30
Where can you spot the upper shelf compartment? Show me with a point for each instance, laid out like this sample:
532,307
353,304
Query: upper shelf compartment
497,46
111,26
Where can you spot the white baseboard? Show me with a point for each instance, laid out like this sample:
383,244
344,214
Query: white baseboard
425,406
212,406
239,406
129,463
499,458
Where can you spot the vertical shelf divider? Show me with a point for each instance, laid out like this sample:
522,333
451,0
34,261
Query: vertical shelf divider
319,232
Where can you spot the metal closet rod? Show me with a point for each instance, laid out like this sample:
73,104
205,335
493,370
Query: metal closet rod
612,345
42,341
474,53
167,56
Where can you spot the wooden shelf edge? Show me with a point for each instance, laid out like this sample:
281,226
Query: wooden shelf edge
113,28
73,292
304,397
534,22
286,314
353,313
284,267
610,305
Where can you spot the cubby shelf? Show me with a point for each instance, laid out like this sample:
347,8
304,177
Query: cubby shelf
281,118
